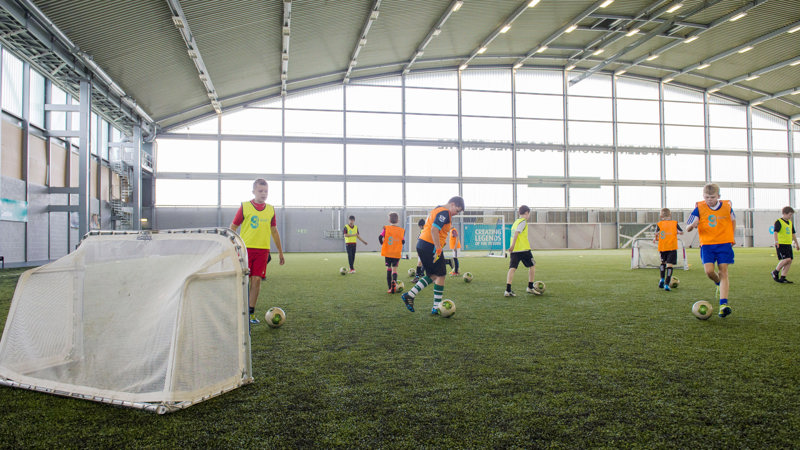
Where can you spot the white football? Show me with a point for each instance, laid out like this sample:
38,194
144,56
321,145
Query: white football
539,286
674,282
343,270
702,310
467,277
447,308
275,317
399,287
412,272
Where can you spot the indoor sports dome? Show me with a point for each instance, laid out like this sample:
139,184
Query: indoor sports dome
159,115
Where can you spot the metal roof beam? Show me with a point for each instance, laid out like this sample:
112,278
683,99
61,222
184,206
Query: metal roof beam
362,38
454,6
756,73
760,100
503,28
654,20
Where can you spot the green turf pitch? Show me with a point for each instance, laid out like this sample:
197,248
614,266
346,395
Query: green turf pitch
603,359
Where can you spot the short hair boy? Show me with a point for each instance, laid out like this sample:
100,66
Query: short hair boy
520,251
716,224
350,237
392,239
784,234
667,231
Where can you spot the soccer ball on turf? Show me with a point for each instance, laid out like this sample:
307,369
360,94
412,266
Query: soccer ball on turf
399,286
467,277
702,310
539,286
447,308
412,272
343,270
275,317
674,282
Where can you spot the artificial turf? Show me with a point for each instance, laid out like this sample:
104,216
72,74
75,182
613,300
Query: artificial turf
603,359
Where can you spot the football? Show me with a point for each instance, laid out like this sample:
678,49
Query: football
412,272
702,310
539,286
447,308
467,277
398,288
275,317
343,270
674,282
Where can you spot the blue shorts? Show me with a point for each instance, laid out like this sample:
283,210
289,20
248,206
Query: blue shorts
717,253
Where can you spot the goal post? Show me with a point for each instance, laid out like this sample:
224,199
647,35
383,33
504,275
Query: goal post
645,254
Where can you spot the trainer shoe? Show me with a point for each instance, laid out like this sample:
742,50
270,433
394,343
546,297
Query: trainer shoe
661,284
415,280
784,280
666,288
533,291
454,274
409,301
775,275
253,319
352,271
509,294
394,288
724,310
435,309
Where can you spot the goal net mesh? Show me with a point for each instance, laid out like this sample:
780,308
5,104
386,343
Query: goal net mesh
645,254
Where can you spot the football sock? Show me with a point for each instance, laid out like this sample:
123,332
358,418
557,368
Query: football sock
455,260
438,293
661,268
508,288
723,301
421,284
389,278
394,276
530,284
669,274
251,309
419,271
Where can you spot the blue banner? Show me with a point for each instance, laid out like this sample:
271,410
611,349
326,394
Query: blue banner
482,236
13,210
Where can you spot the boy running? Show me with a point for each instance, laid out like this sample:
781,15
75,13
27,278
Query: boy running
783,231
520,251
392,239
667,232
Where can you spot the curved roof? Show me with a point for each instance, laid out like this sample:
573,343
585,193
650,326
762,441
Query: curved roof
183,59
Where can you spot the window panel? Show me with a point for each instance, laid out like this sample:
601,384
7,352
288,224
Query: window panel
770,198
253,121
375,125
768,121
770,140
486,104
432,161
727,115
541,197
445,79
684,197
251,157
728,168
684,137
684,113
314,193
591,164
540,106
637,135
639,167
639,197
374,98
681,167
494,79
632,88
770,170
186,192
37,99
488,195
375,194
682,94
602,197
178,155
540,131
738,197
486,162
325,98
728,138
432,127
540,81
431,101
375,159
428,195
314,123
595,85
205,126
540,163
309,158
12,84
234,192
486,129
642,111
587,108
590,133
58,120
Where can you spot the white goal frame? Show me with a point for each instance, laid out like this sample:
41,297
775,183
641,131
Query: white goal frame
645,254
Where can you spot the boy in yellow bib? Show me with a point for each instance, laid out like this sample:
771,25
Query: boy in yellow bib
784,234
520,251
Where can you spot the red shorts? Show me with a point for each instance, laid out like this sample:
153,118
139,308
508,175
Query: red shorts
257,259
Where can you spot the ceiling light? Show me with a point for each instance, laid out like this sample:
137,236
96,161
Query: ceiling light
632,32
606,3
481,50
374,14
362,42
797,28
751,78
652,57
541,49
571,28
703,66
796,92
746,49
203,77
517,65
458,5
598,51
570,67
738,16
179,22
712,90
795,63
462,67
691,39
437,31
669,80
192,54
533,3
419,53
675,7
756,103
505,29
620,72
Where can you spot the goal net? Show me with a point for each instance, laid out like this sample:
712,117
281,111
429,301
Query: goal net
645,254
156,321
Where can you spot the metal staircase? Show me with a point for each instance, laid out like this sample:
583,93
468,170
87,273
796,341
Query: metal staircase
121,208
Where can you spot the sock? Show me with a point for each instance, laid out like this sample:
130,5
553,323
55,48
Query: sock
669,275
389,278
661,268
438,293
421,284
723,301
456,262
717,283
419,271
508,288
251,309
394,277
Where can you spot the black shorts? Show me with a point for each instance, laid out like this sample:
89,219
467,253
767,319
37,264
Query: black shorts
785,252
425,251
391,262
669,257
526,257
